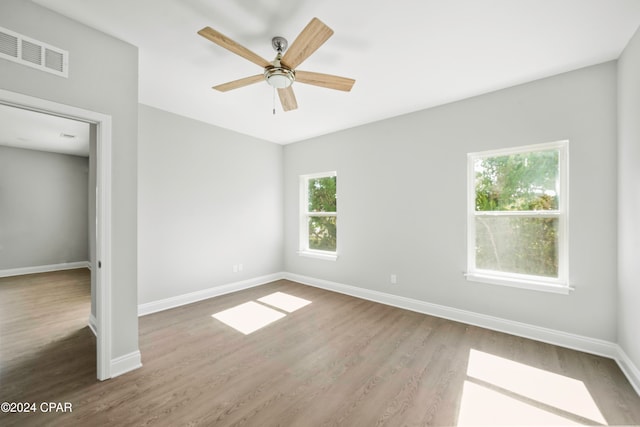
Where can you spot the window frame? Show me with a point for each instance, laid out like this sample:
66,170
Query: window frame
304,217
559,284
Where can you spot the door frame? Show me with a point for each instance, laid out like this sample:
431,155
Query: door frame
103,211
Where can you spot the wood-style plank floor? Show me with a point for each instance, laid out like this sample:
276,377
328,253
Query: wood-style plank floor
337,361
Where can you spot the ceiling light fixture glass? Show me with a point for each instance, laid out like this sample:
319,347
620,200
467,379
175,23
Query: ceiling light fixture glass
279,77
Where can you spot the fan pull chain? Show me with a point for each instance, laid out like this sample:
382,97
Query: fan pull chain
274,101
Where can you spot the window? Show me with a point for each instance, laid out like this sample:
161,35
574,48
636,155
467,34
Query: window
318,215
517,217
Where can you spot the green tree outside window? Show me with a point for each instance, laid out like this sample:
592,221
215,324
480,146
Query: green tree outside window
322,198
512,234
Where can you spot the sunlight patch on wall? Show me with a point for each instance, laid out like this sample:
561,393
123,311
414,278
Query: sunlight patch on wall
499,391
251,316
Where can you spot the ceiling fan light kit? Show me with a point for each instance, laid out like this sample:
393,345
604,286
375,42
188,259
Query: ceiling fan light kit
281,72
278,76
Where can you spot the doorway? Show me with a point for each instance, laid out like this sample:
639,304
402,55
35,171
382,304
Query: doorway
101,125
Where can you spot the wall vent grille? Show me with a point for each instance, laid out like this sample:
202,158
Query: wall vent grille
33,53
8,44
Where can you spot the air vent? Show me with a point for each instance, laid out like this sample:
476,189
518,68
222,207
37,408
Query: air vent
33,53
8,44
54,60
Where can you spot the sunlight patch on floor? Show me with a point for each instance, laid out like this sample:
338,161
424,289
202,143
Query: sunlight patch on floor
248,317
251,316
500,391
285,302
482,406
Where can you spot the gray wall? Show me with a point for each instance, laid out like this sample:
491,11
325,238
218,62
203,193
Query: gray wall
208,199
402,199
43,208
629,200
103,77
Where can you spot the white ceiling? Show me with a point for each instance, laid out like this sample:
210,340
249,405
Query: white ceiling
405,55
37,131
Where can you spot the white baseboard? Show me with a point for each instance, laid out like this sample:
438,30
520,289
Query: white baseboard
551,336
123,364
629,369
177,301
93,324
43,268
564,339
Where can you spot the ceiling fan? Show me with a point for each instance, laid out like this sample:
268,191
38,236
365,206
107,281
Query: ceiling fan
282,71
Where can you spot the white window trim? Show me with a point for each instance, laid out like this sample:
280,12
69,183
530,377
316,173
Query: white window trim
560,284
304,219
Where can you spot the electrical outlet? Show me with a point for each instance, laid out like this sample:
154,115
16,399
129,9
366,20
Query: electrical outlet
394,279
235,268
240,267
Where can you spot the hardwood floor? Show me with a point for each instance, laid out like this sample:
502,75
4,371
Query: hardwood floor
336,361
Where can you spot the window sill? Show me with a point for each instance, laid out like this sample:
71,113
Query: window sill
534,285
329,256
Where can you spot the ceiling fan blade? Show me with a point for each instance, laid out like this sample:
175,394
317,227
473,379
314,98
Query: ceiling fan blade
324,80
225,42
224,87
307,42
287,99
